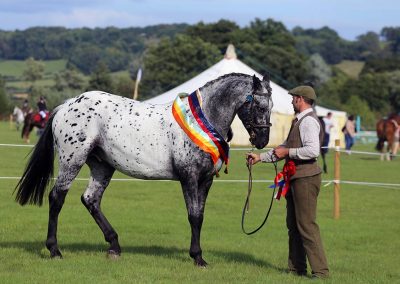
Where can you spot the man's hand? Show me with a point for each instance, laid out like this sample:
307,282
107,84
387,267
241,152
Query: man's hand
252,158
281,152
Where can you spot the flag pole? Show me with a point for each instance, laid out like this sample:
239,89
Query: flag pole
138,78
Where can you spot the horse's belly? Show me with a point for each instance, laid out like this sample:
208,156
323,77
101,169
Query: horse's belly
144,170
145,161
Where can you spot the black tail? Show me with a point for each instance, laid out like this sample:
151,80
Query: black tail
39,170
380,144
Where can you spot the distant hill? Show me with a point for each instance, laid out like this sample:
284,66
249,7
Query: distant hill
351,68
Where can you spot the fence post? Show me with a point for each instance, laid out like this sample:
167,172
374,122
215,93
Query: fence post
336,182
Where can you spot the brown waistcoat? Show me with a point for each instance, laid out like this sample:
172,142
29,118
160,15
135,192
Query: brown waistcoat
304,168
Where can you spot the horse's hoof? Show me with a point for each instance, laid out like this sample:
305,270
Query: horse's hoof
113,255
56,254
200,262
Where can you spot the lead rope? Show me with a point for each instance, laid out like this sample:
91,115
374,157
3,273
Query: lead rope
250,186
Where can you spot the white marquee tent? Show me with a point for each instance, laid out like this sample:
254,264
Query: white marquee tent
282,112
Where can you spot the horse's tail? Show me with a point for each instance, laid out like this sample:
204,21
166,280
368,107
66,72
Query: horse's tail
380,132
380,144
39,170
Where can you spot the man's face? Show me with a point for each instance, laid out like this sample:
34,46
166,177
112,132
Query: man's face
296,103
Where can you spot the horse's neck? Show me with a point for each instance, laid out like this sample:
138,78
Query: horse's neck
220,106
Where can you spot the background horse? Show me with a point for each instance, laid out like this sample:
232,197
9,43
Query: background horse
18,116
145,141
323,151
31,120
385,130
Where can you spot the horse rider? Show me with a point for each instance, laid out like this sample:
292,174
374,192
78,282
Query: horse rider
25,107
41,104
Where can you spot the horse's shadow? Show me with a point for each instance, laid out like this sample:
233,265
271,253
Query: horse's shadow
171,252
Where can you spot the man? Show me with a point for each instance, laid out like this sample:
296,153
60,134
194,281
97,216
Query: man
328,125
349,133
302,146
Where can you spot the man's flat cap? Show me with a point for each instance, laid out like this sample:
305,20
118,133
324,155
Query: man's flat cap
304,91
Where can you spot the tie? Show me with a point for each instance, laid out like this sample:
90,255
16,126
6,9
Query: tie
293,123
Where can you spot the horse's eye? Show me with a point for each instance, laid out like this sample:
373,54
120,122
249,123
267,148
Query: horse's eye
262,108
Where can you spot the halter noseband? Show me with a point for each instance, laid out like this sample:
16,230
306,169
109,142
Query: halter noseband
250,124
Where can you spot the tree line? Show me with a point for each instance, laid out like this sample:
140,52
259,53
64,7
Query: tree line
172,54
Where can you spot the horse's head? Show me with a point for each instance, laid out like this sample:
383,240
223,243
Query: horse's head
255,112
15,111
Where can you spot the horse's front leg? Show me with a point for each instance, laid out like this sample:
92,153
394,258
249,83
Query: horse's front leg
195,193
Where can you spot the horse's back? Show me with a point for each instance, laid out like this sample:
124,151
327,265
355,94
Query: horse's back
133,137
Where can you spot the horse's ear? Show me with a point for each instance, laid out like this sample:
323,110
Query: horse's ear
267,77
256,83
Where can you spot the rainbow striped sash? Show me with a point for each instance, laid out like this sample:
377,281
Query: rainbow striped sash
199,129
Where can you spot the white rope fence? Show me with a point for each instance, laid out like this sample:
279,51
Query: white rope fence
325,182
338,149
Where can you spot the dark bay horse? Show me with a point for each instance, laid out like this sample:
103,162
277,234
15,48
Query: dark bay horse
385,130
146,141
31,120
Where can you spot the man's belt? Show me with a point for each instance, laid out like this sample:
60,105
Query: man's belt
304,162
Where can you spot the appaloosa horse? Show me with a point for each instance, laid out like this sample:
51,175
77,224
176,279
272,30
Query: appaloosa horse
145,141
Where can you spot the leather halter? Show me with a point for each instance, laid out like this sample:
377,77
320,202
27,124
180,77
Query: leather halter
250,123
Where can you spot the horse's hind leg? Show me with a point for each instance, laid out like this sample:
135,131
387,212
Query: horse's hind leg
67,174
195,198
101,173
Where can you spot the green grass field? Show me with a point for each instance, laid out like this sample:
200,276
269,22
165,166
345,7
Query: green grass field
150,218
16,68
351,68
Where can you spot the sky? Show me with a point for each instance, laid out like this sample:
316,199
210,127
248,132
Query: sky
350,18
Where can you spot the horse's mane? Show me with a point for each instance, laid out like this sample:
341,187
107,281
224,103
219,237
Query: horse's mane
224,77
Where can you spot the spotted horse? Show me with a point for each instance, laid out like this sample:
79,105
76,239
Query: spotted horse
183,141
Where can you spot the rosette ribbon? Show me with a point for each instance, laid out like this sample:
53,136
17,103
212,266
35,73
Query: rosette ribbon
282,179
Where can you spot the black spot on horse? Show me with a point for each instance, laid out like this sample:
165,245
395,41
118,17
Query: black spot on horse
78,100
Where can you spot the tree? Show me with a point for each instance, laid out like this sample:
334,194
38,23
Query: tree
357,106
69,78
320,72
124,86
270,47
220,34
34,70
324,41
372,88
4,101
368,45
86,58
330,93
173,61
393,79
392,36
101,79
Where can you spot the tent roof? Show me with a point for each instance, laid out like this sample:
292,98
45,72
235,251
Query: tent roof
280,97
230,64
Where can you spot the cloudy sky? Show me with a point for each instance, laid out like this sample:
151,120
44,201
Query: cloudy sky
349,18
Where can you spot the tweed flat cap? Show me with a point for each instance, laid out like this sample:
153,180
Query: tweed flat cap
304,91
